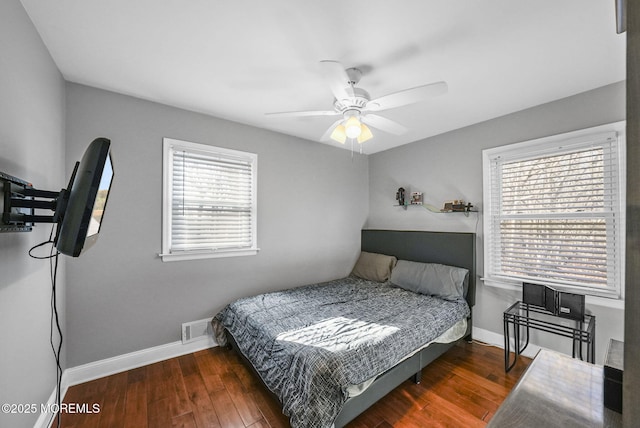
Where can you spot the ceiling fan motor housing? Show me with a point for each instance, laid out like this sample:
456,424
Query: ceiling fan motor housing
357,102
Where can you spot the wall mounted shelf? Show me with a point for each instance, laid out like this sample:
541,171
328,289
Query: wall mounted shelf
465,210
416,200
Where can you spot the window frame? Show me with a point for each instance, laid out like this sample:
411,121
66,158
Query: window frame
528,149
171,146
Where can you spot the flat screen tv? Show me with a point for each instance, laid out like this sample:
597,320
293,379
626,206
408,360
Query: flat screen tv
88,192
77,210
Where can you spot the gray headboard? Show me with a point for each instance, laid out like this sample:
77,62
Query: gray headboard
448,248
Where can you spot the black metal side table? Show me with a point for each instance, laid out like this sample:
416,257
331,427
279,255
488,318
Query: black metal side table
523,316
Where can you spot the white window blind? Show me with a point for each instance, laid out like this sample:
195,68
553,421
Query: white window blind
554,214
211,201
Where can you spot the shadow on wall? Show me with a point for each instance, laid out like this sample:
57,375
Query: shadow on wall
14,249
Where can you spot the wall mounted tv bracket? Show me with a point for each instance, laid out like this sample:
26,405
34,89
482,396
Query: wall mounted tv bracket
21,200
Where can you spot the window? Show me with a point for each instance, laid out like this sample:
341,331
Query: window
209,201
553,212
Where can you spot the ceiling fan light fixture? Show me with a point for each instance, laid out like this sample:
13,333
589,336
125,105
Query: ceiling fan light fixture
339,134
353,127
365,135
351,104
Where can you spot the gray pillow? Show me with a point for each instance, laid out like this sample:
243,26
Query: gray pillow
447,282
373,266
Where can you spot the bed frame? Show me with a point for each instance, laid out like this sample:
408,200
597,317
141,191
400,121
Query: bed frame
450,248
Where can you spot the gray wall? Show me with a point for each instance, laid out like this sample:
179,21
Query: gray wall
32,148
312,203
449,166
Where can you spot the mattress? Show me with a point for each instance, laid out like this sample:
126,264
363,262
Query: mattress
310,344
456,332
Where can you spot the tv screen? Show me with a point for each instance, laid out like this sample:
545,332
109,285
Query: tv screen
88,193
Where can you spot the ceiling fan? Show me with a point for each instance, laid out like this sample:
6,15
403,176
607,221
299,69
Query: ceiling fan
356,107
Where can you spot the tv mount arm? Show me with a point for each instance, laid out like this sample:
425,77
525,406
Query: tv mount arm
20,196
27,200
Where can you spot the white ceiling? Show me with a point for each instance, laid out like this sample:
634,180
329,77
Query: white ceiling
241,59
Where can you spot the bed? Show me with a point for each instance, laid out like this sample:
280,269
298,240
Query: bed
329,351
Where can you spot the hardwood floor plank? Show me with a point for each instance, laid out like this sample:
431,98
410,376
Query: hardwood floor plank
209,371
243,402
158,387
448,414
370,418
184,421
179,403
223,360
135,413
226,411
478,384
400,402
249,381
202,407
259,424
158,413
210,388
269,408
188,365
460,395
112,410
135,404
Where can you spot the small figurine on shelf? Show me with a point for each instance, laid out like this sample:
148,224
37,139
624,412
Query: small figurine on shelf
457,205
416,198
400,196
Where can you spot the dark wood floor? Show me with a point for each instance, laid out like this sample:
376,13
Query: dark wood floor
211,388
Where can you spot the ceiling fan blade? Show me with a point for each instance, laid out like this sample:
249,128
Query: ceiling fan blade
336,76
407,96
327,134
304,113
383,124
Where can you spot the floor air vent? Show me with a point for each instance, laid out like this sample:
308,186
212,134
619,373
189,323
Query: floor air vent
196,330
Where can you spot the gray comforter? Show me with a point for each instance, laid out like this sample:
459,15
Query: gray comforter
309,343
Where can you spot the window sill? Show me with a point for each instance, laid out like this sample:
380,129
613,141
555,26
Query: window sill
605,302
196,255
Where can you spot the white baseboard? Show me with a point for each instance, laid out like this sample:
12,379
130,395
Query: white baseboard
46,418
132,360
497,339
97,369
